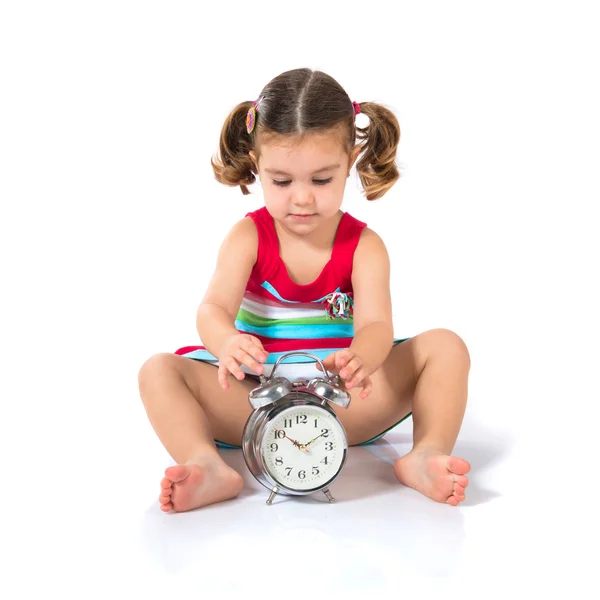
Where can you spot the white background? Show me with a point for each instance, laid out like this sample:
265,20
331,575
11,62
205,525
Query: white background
110,224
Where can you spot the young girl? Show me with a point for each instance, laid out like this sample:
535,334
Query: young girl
301,274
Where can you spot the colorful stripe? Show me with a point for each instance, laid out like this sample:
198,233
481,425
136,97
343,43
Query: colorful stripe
274,310
267,286
304,332
200,353
260,321
273,357
273,318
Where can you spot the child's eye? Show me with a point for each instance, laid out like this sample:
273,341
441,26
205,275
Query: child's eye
317,181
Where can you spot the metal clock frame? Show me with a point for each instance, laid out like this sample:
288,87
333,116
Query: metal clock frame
269,400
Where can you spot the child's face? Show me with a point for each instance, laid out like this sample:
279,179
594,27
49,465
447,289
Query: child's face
306,178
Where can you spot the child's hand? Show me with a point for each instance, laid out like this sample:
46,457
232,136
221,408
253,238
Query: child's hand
240,349
350,368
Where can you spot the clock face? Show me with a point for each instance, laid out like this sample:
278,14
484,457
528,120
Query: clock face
303,447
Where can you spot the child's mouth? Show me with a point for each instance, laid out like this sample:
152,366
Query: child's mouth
303,217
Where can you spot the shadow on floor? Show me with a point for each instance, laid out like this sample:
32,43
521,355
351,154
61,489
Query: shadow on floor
377,526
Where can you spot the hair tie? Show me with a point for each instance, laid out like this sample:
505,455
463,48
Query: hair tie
356,106
251,116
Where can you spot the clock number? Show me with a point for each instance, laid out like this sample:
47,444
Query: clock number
286,421
301,419
324,461
325,432
274,447
279,434
315,470
328,445
302,474
279,461
289,470
316,422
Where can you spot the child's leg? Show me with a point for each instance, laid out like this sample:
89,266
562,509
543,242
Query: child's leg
188,408
440,396
427,375
438,408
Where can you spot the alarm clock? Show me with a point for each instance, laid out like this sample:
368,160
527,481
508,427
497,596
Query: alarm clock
293,442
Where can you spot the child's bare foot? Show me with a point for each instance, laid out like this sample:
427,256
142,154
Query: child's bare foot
434,474
189,486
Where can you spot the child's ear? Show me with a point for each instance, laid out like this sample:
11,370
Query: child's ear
253,157
353,156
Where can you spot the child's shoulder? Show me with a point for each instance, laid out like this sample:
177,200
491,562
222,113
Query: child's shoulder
243,227
242,237
370,244
366,235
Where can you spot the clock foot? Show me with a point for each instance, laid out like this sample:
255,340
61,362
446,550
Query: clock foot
329,496
273,494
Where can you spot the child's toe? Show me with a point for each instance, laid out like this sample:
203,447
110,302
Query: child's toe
177,472
462,481
458,490
166,507
458,465
166,483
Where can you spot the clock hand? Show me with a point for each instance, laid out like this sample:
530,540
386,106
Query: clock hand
314,440
297,444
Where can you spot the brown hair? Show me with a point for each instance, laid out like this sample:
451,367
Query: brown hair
301,102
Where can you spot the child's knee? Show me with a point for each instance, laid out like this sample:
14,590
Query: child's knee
156,366
449,344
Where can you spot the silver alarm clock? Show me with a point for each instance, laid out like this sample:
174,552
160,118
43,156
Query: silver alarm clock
293,442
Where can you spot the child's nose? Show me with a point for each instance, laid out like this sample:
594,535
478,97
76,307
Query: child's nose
303,197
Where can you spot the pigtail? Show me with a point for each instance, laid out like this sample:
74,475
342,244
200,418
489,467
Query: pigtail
234,165
377,168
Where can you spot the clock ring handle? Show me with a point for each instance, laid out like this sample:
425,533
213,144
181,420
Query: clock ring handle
299,353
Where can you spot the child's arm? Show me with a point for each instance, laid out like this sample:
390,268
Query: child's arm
218,310
373,328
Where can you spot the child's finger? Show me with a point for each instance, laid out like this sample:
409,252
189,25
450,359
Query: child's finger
367,388
246,359
342,358
256,342
234,368
252,347
262,355
354,365
259,352
222,377
328,362
357,377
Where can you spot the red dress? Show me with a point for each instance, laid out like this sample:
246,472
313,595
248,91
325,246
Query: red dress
286,316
